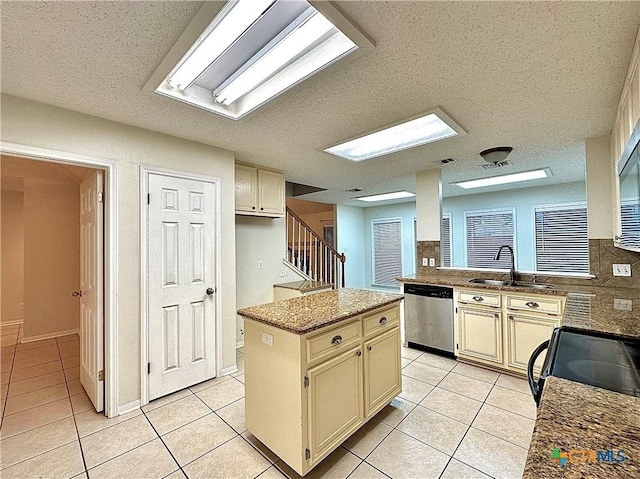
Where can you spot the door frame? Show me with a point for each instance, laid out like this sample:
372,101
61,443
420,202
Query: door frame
145,171
110,281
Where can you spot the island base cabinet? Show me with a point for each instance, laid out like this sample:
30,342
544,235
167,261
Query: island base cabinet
382,368
480,334
335,402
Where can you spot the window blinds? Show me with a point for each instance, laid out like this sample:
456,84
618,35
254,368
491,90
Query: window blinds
445,242
486,232
562,242
387,252
630,219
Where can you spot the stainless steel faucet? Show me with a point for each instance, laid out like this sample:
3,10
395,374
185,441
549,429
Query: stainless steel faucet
512,271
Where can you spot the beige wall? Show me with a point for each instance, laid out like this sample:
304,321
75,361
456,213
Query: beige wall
35,124
600,198
51,258
428,205
12,255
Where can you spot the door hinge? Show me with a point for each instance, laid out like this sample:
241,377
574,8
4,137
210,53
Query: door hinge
306,381
148,368
307,453
100,197
148,198
101,375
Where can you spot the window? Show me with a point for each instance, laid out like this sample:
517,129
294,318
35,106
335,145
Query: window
486,232
445,241
387,251
562,242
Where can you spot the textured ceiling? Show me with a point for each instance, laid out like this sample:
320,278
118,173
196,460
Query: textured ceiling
538,76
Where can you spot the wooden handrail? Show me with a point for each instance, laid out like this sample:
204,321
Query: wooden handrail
342,257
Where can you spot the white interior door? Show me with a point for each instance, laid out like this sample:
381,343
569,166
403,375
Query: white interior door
181,282
91,284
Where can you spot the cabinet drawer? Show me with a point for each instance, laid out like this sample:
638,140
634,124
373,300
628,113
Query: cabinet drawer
333,341
535,304
380,321
479,298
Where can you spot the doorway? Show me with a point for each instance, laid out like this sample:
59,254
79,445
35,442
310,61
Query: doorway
99,325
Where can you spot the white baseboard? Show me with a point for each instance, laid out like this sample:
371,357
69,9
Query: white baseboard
11,322
128,407
229,370
56,334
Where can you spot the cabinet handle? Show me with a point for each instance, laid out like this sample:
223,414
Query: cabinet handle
383,320
369,348
261,209
336,340
253,207
511,318
358,353
496,315
532,304
478,298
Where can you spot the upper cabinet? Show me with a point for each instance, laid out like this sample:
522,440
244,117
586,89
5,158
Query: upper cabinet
259,192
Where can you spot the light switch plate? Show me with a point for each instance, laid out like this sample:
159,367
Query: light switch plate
622,304
622,270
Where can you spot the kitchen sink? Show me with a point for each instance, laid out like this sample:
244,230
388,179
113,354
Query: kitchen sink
519,284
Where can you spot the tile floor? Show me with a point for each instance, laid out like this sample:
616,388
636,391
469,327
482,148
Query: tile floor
452,420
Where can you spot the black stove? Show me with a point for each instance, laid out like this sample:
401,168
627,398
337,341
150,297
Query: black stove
599,359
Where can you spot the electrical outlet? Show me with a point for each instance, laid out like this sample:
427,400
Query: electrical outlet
622,304
21,307
425,261
260,264
283,272
286,271
622,270
432,261
267,339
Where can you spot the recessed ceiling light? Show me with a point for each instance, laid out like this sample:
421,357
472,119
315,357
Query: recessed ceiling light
427,128
386,196
251,51
505,179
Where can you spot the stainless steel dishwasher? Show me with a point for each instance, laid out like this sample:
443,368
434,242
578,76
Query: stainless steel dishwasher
428,315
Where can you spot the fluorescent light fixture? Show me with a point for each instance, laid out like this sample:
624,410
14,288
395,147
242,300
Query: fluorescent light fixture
387,196
277,57
232,21
505,179
425,129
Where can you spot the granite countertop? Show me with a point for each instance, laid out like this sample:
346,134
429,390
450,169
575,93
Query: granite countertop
301,315
574,416
304,286
587,307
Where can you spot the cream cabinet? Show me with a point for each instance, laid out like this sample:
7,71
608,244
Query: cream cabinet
502,329
259,192
307,393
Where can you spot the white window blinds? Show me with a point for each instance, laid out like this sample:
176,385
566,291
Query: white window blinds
486,232
630,219
445,241
562,242
387,252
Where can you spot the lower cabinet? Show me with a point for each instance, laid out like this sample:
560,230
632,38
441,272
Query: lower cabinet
305,394
480,334
525,334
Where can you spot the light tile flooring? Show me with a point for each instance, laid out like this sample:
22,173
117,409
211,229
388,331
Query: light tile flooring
452,420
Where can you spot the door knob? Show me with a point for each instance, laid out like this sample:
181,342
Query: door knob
210,291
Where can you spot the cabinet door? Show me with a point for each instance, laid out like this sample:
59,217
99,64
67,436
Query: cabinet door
334,402
480,334
271,193
525,333
246,188
381,370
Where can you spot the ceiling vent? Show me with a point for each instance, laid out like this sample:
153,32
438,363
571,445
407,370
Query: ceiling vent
498,164
445,161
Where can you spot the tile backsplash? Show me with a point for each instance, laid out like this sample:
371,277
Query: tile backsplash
602,256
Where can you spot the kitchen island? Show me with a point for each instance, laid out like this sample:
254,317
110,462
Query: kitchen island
317,368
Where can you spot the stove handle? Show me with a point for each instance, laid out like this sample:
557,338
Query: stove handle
533,385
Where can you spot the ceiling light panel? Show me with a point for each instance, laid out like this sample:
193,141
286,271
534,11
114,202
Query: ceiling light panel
386,196
430,127
254,50
505,179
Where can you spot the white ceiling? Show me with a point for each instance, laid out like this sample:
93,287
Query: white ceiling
538,76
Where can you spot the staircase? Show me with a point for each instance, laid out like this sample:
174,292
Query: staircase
311,255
